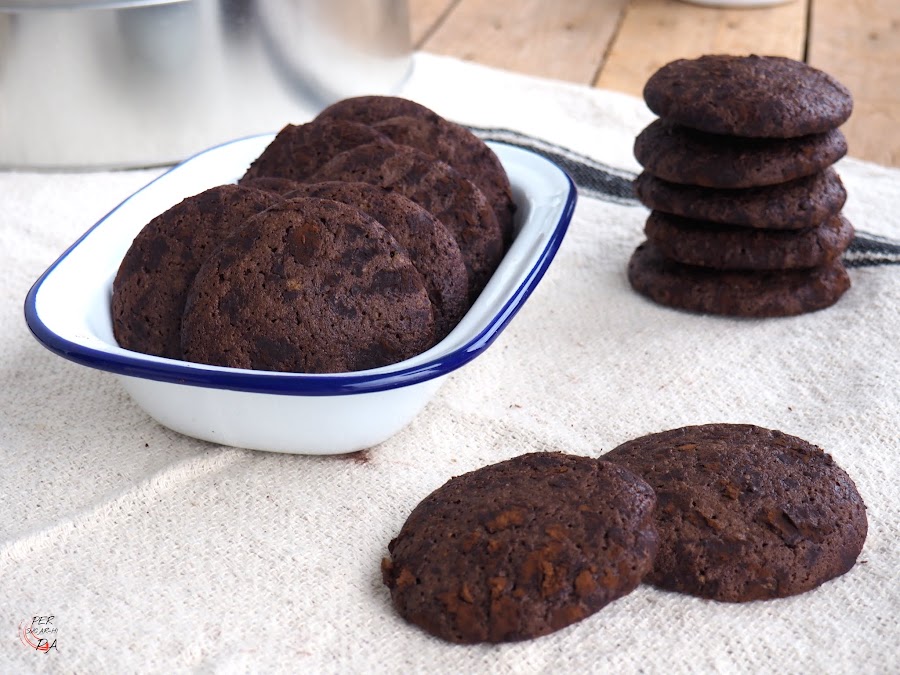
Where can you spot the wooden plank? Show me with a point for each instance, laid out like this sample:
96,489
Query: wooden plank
563,40
426,15
858,41
654,32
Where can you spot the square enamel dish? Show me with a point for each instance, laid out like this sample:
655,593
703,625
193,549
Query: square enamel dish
68,311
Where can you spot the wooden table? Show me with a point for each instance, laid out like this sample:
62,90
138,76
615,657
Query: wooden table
617,44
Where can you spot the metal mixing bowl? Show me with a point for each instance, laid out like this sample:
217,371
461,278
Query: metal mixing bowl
125,83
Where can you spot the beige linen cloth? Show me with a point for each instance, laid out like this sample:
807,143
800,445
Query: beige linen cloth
157,552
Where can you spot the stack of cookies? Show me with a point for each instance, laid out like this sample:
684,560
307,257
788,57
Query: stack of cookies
355,241
746,206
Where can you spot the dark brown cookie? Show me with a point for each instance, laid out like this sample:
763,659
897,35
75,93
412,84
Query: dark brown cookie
754,96
742,294
684,156
726,247
274,184
369,109
297,151
412,124
431,247
788,206
521,548
311,286
746,513
462,150
437,187
152,283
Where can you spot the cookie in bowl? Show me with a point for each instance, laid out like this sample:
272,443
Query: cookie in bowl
153,280
307,286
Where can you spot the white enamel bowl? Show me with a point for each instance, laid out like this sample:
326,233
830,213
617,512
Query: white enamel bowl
68,311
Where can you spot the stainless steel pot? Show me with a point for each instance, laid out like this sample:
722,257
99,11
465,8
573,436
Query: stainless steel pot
125,83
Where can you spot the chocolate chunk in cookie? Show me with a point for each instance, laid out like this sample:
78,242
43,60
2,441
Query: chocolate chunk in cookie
152,283
741,294
522,548
746,513
681,155
752,96
311,286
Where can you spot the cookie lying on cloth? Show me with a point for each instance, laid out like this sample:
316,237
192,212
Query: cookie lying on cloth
746,513
154,278
522,548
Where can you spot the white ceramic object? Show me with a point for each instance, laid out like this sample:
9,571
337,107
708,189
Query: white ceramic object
68,311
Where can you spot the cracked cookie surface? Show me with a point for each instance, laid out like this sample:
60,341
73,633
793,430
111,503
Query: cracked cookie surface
309,286
746,513
521,548
153,280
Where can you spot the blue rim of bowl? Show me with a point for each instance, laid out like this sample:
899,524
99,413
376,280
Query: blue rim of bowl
294,384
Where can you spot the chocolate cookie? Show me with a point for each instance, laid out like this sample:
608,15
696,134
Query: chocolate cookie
521,548
462,150
680,155
412,124
437,187
726,247
152,283
369,109
431,247
274,184
298,150
800,203
310,286
746,513
742,294
754,96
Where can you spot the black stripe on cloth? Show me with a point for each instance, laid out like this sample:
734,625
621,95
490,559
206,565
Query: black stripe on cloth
868,250
593,178
607,183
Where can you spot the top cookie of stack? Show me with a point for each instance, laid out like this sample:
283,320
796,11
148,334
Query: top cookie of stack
746,207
